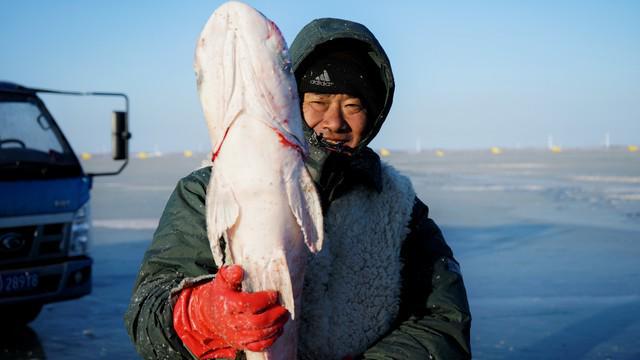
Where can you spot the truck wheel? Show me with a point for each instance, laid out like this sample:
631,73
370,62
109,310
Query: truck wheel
20,314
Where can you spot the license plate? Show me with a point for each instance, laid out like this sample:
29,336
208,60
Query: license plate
15,282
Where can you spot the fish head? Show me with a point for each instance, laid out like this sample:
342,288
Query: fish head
242,66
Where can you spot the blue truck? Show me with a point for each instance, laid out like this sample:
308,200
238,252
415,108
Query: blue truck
45,213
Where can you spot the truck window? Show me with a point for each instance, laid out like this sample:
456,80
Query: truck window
31,142
22,124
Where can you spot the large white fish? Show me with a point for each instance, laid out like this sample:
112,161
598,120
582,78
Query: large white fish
260,199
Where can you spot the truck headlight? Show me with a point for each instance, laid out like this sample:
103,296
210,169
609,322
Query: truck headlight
80,232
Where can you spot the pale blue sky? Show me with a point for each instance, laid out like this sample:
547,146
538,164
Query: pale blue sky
470,74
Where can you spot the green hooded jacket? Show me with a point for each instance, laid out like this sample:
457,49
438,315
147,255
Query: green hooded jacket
434,319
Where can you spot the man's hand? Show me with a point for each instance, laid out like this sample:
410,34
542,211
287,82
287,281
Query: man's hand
216,319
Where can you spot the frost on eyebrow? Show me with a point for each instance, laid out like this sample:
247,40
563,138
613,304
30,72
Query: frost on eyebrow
323,96
317,96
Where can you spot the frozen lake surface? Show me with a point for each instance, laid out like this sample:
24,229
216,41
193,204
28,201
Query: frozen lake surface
549,246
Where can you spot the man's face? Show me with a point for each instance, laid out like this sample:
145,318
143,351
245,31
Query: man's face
340,118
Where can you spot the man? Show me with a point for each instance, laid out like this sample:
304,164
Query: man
385,284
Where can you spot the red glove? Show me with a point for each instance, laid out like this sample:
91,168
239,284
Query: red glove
216,319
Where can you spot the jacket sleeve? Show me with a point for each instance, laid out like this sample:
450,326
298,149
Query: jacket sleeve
435,319
178,255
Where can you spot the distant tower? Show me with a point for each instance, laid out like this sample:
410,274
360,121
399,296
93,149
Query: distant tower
156,151
607,140
418,146
549,141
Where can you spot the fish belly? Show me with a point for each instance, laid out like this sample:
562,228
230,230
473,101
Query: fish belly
266,239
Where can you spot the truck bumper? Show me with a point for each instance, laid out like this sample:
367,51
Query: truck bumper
56,281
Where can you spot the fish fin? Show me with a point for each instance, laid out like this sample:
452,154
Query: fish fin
222,214
305,205
286,287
